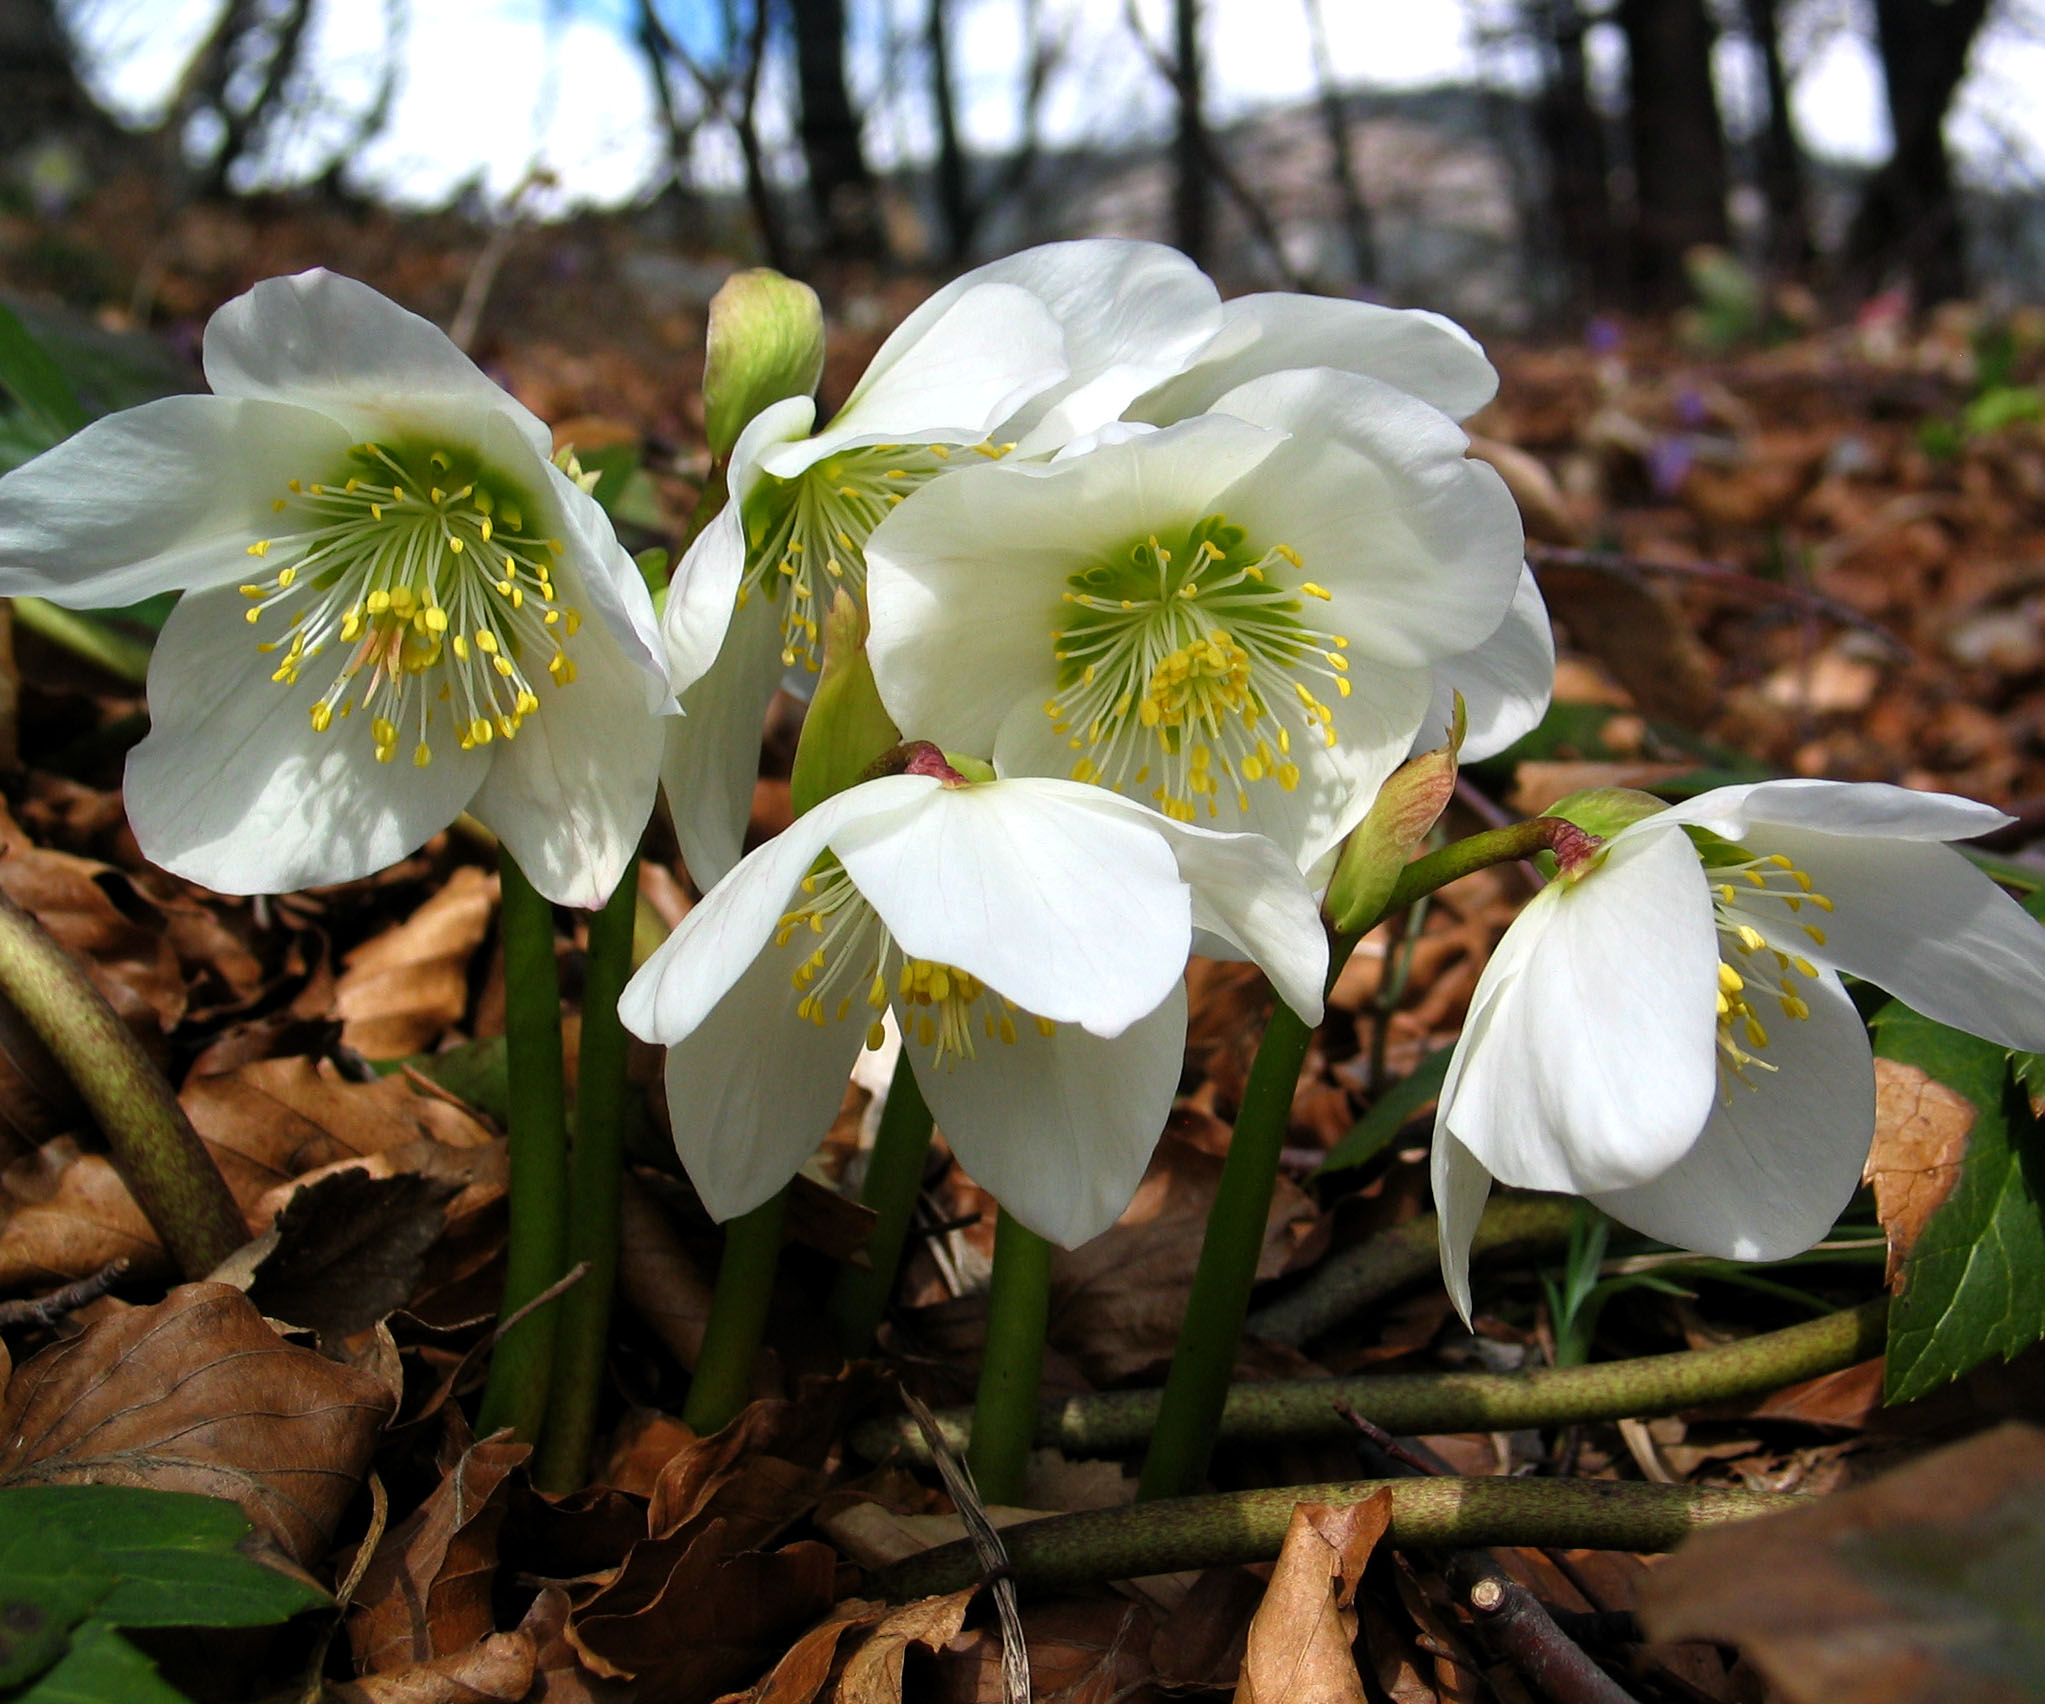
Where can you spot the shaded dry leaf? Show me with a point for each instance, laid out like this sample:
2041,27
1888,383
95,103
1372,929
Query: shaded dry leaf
499,1670
1201,1642
1082,1651
803,1673
656,1275
402,990
1299,1649
873,1673
1537,786
426,1592
130,962
1916,1589
1921,1129
197,1394
560,1677
65,1213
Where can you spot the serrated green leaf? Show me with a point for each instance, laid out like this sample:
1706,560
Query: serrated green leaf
102,1668
1398,1104
50,1581
29,371
176,1556
1974,1286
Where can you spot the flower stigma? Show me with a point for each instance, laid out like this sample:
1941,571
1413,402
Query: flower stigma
1191,669
853,967
807,534
416,566
1755,974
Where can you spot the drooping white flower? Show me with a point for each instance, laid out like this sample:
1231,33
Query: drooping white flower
1011,359
1237,618
1031,937
1665,1032
395,607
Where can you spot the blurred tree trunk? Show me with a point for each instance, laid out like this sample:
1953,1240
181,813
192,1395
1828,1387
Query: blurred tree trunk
1573,138
840,185
1679,171
1781,160
1190,201
1908,222
1356,223
953,201
247,35
41,98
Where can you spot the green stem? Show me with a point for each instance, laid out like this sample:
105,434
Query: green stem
723,1382
160,1157
1012,1367
596,1165
894,1178
1302,1410
1479,852
1197,1385
536,1252
1122,1543
115,653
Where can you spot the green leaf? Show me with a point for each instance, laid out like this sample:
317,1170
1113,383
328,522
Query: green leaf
1393,1109
1974,1286
175,1556
49,1582
102,1668
37,382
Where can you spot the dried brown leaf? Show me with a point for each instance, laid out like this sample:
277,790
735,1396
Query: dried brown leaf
656,1275
426,1593
197,1394
1299,1643
803,1673
560,1676
1915,1589
873,1673
402,990
498,1670
1201,1642
65,1213
1921,1130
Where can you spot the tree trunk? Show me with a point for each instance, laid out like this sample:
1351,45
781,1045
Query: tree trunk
41,98
1908,222
1356,221
1679,171
953,202
840,185
1190,200
1781,161
1573,138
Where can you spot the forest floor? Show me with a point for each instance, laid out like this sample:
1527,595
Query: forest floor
1819,554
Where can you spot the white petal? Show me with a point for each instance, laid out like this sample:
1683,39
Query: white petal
697,616
1589,1061
964,580
1420,545
1922,922
712,755
1838,807
570,795
779,423
156,498
234,790
330,343
1506,681
1775,1164
1246,893
1461,1187
752,1089
1432,358
1058,1129
1072,915
952,376
689,972
599,578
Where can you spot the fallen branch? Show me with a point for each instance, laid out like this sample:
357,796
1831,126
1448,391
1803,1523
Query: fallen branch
1249,1526
1300,1409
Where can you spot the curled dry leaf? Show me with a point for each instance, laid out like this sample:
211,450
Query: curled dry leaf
498,1670
405,988
197,1394
1918,1588
1299,1644
1921,1130
65,1213
426,1592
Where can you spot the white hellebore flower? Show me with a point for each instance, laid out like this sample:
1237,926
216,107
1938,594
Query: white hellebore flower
1031,937
1013,358
395,607
1237,618
1664,1031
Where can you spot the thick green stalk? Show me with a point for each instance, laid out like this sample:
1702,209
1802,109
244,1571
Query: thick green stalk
596,1164
1012,1366
536,1252
124,658
894,1178
1197,1385
1304,1410
158,1153
1249,1526
723,1381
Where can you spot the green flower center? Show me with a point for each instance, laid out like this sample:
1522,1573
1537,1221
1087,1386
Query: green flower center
807,534
853,966
414,566
1191,669
1755,974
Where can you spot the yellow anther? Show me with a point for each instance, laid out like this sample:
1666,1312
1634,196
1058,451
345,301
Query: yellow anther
1729,979
322,716
260,548
1756,1035
421,755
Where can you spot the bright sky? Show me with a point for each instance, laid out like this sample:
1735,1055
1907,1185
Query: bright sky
490,88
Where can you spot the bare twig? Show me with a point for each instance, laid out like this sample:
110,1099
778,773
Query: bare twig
1523,1629
47,1310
